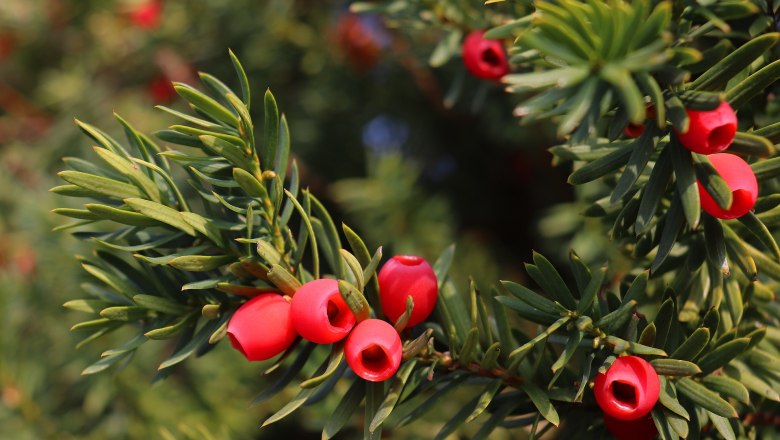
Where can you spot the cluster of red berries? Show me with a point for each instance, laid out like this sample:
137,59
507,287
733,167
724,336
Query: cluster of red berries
626,393
268,324
711,132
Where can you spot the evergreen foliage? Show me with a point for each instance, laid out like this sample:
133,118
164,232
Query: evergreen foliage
182,235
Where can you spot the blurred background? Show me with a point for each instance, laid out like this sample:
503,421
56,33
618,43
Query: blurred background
378,134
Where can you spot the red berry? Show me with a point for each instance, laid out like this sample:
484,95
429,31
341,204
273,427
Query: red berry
320,314
147,15
709,131
161,90
261,328
636,130
358,42
8,42
26,260
642,428
740,179
403,276
485,59
373,350
629,389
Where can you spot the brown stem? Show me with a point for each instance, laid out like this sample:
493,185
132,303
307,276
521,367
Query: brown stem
444,361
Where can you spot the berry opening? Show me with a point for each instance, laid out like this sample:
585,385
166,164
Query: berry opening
374,358
236,344
409,260
333,311
336,316
721,137
491,56
625,394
